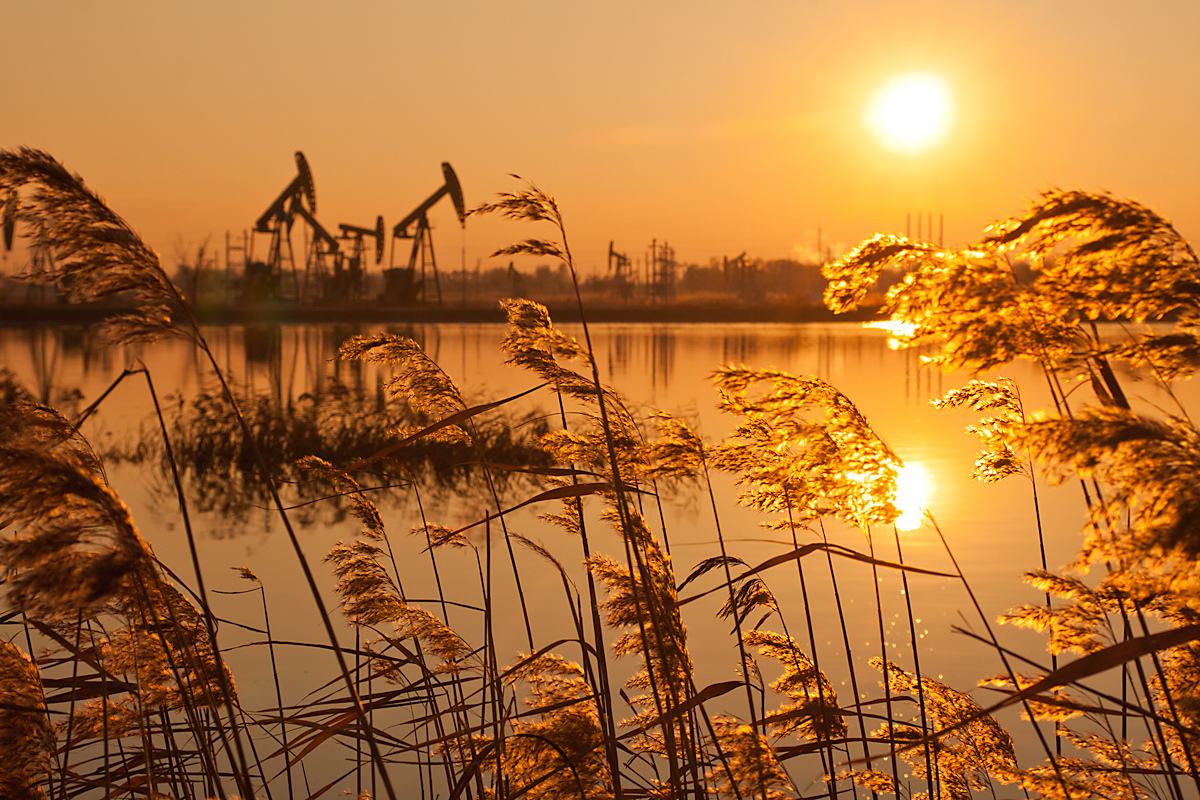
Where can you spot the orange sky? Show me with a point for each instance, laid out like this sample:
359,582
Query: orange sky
720,127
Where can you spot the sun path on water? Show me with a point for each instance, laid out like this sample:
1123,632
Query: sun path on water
914,485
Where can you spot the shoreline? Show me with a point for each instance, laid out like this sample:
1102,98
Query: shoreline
565,312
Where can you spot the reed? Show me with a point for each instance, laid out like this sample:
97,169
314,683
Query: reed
122,686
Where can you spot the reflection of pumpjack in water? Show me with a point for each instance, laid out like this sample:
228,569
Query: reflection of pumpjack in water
403,285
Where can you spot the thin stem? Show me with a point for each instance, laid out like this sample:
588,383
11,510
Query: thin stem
933,789
310,579
1012,676
887,683
242,775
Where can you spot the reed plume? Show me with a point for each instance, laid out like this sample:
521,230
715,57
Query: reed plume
167,654
71,544
804,447
97,255
559,753
26,736
417,378
752,768
368,593
644,604
975,749
997,459
1103,257
532,342
812,712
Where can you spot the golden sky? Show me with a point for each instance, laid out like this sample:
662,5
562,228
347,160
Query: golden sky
720,127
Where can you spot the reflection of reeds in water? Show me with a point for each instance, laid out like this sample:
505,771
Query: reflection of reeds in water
339,424
128,692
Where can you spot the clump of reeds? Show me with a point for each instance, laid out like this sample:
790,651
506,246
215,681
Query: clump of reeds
1081,259
339,424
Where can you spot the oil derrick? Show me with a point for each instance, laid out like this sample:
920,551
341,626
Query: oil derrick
349,281
235,246
276,276
662,267
403,285
621,271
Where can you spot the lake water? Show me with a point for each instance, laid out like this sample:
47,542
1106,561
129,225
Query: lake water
991,528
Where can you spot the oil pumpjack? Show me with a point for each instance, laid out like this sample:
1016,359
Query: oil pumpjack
741,277
265,280
403,285
350,276
621,270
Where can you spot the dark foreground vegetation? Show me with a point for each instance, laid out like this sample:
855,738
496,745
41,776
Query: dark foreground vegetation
113,681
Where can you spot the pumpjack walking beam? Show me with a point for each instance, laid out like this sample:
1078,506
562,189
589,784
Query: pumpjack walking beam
300,186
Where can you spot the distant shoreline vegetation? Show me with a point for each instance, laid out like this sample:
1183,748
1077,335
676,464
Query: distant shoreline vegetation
730,311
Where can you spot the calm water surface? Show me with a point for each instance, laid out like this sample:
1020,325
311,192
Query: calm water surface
990,528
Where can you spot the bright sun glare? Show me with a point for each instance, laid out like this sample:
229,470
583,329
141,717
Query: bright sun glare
913,488
911,113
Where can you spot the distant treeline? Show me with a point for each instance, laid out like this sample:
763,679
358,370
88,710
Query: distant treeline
759,280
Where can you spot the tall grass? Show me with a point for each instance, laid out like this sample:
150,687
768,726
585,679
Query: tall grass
116,681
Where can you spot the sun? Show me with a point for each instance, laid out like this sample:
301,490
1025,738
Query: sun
911,113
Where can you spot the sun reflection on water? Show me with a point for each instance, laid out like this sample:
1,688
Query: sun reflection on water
899,329
914,486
